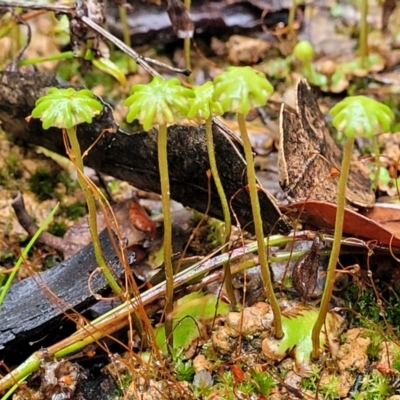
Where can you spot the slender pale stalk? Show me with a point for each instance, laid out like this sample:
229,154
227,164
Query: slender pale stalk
291,17
364,33
187,41
166,203
92,218
377,152
258,227
186,50
225,209
66,55
125,31
333,260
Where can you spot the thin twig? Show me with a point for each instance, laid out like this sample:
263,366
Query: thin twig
36,6
183,71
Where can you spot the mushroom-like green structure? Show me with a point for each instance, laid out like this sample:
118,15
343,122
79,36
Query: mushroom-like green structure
159,103
65,109
355,116
239,89
203,107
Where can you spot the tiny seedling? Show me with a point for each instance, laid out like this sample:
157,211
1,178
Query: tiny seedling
159,103
239,89
355,116
66,109
304,52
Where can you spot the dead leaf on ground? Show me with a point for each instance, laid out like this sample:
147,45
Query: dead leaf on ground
245,50
322,214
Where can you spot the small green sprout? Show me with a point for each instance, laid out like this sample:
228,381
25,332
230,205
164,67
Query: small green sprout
204,107
65,109
311,381
356,116
161,102
304,52
239,89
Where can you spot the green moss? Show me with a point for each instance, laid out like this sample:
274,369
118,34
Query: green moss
311,382
373,348
393,311
364,304
263,382
376,387
331,388
70,185
211,232
184,369
202,391
75,211
42,183
367,313
50,261
57,228
10,171
123,383
396,360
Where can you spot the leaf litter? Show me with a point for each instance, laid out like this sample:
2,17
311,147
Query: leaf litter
237,358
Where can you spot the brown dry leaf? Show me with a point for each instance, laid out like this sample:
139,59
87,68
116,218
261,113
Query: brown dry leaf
133,223
322,215
246,51
387,215
308,154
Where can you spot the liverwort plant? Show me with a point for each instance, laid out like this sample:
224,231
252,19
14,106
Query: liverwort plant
203,107
159,103
239,89
304,52
355,116
66,109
